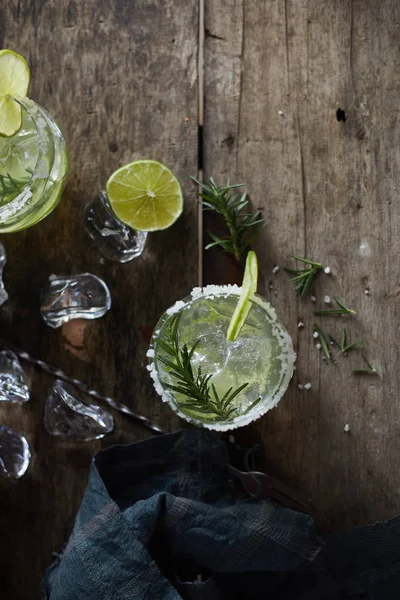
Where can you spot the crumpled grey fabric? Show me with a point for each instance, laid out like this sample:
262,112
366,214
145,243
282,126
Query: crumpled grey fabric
158,522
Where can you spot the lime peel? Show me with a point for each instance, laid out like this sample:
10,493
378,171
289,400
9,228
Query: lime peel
249,288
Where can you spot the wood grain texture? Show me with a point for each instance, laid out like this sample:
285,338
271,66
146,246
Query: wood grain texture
275,74
120,78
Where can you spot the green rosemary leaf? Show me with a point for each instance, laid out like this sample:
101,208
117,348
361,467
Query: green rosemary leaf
233,395
11,188
303,278
226,395
229,413
176,388
165,347
342,310
190,355
352,346
348,310
171,365
217,242
307,283
344,345
307,261
323,341
370,370
217,400
225,243
297,278
257,401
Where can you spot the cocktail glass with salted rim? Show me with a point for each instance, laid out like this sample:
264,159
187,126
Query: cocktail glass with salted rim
213,381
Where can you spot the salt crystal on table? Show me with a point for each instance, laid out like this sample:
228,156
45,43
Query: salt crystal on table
307,386
313,299
275,269
346,428
300,324
327,300
327,270
315,334
318,346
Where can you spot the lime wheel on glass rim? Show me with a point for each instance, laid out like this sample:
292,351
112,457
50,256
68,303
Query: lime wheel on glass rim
14,83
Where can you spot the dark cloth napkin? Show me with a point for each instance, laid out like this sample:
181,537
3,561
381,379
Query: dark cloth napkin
158,522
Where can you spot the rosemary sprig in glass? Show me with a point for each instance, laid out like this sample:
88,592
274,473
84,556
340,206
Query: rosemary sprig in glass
370,369
344,346
303,278
10,188
194,385
342,310
231,207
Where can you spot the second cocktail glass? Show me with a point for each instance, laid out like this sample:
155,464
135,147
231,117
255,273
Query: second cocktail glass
260,360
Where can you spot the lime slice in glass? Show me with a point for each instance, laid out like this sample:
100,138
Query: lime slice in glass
249,287
14,83
145,195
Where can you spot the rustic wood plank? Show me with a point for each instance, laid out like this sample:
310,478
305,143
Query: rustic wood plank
275,74
121,80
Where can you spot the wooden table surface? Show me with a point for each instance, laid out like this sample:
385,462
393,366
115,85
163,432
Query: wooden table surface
124,80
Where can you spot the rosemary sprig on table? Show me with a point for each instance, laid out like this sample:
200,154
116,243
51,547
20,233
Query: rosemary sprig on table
231,207
195,386
344,346
370,369
303,278
342,310
10,188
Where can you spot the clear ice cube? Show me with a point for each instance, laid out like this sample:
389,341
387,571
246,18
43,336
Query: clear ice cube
115,240
82,296
66,416
3,260
15,454
13,383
